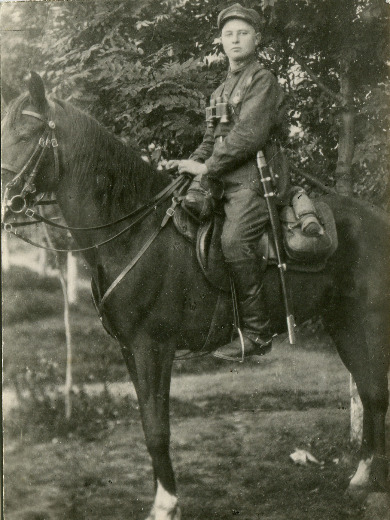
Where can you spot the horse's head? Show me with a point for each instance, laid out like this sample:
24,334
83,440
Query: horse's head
30,163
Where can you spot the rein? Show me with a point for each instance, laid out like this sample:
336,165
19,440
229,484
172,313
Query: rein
147,209
152,202
18,203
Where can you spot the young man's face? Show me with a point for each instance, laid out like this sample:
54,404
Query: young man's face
239,40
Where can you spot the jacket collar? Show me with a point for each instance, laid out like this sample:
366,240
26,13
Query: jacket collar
234,72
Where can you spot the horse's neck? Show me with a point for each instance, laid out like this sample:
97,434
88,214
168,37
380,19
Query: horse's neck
101,179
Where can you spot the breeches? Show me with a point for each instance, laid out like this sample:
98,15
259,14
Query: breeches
246,216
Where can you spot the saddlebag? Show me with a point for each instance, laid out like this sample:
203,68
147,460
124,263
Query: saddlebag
303,248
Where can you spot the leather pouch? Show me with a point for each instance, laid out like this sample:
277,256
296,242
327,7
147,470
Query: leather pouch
303,248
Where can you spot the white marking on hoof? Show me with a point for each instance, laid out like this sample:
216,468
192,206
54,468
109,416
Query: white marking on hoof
165,505
362,476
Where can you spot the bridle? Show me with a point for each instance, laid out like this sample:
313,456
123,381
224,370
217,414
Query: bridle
19,203
27,175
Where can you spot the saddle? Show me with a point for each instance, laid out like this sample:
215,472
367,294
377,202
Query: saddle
303,253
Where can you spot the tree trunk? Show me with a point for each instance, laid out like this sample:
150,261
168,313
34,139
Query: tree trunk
68,336
72,278
5,258
68,332
42,262
346,145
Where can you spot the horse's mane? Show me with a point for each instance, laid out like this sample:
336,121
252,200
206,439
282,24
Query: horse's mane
115,172
121,177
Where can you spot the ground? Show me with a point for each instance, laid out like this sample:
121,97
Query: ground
233,426
232,434
235,465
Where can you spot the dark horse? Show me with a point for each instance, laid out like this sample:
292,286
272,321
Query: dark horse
165,303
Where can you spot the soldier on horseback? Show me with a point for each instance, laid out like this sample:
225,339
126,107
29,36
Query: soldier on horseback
244,116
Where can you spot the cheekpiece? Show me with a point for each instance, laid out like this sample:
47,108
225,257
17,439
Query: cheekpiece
238,11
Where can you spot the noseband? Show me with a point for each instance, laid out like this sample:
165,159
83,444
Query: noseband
28,173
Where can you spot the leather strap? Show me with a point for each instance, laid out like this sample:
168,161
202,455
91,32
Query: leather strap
169,213
167,190
148,210
236,319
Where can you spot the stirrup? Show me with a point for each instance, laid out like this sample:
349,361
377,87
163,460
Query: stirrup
263,349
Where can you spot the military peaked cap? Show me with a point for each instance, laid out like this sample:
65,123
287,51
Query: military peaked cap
238,11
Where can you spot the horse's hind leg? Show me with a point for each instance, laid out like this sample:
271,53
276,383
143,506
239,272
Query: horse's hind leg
377,335
362,342
150,370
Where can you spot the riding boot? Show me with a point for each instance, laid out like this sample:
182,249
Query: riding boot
256,337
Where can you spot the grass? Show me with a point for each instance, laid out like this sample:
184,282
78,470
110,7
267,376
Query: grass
227,465
33,331
233,429
230,451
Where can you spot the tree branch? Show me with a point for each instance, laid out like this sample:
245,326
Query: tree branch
334,95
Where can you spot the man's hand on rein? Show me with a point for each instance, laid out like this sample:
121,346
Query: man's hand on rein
172,164
192,167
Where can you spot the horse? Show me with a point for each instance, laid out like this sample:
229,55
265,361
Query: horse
164,303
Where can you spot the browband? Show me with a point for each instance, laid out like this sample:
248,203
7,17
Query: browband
33,114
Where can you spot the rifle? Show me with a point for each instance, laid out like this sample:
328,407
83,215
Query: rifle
269,195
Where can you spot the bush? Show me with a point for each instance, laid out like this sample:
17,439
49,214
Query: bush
29,297
29,305
40,415
18,278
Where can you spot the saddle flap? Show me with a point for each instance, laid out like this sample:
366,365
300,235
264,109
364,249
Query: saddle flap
209,253
303,253
185,224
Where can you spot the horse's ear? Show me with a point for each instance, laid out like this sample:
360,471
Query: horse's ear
8,93
37,91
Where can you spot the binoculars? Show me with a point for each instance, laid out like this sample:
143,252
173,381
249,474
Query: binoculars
217,112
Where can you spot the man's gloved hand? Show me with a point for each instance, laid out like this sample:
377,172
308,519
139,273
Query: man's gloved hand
172,164
187,166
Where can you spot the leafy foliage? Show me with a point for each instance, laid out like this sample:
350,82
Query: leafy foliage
372,153
145,69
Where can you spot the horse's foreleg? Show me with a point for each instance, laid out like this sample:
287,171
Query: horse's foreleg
150,369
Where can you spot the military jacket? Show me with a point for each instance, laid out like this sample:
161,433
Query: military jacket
255,107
